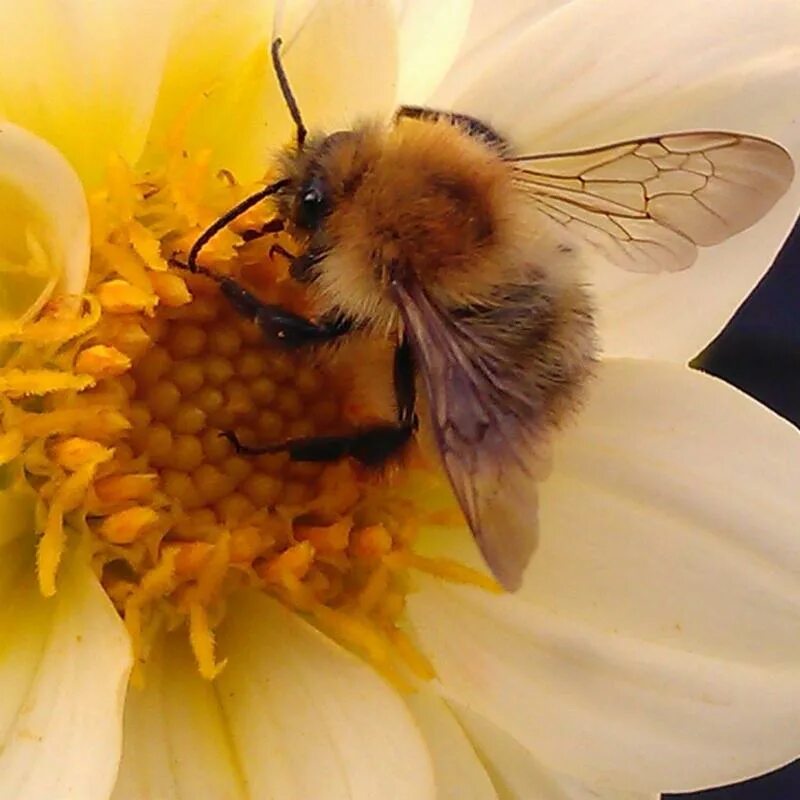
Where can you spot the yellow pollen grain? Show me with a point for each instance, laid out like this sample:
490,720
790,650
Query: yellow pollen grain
225,341
171,289
102,361
371,542
187,453
188,377
153,364
115,489
129,525
72,453
187,341
326,538
120,297
294,562
163,399
218,370
189,418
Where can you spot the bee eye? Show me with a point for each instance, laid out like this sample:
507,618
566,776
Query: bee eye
312,204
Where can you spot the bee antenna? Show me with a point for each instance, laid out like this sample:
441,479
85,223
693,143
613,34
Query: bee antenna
221,222
286,91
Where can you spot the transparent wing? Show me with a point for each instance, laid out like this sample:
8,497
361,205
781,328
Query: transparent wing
647,204
487,432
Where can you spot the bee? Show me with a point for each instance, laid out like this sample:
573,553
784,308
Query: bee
431,232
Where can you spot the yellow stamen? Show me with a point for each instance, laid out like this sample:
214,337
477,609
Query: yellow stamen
116,489
201,638
125,527
68,496
447,569
120,297
171,289
10,446
52,329
21,383
74,452
101,361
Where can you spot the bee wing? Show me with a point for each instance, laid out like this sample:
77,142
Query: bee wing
648,203
486,430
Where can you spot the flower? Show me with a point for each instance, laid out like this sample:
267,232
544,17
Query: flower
653,645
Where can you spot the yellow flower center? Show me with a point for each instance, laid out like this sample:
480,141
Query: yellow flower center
113,410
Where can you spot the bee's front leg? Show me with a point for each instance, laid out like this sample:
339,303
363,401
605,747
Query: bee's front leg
279,325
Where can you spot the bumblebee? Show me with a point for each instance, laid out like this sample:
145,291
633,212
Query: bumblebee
430,232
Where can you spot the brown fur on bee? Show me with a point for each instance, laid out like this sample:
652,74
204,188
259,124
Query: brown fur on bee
426,201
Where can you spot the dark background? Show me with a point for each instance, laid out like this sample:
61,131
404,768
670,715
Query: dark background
759,351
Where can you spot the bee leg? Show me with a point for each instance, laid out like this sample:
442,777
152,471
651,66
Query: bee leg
275,225
370,446
278,325
474,127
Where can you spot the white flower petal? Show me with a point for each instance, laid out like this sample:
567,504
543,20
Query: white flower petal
613,710
430,36
16,513
493,26
310,720
84,75
674,490
63,671
291,716
343,63
220,92
594,72
44,223
177,743
656,633
519,776
459,773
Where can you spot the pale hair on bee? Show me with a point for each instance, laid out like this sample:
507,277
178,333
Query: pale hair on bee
429,232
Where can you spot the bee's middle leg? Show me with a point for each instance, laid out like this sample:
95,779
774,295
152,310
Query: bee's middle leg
371,446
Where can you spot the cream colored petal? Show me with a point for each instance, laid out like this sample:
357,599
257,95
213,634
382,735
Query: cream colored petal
213,93
459,773
343,63
493,26
177,743
63,670
291,716
220,92
517,774
430,36
595,72
16,514
84,75
293,699
44,223
657,626
610,709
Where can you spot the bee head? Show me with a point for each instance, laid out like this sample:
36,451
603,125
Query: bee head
380,204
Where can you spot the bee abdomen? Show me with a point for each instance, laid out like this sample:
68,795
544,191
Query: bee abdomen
542,338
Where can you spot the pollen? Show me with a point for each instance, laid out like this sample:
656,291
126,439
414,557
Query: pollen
114,411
